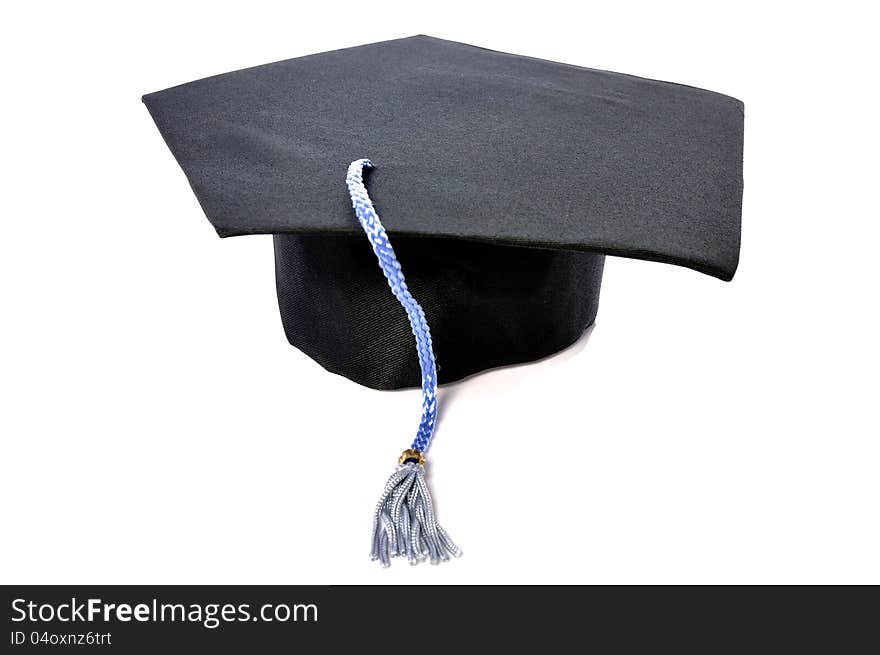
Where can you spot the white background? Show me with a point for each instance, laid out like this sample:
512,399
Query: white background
157,428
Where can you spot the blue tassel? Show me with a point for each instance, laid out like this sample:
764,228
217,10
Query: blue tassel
404,523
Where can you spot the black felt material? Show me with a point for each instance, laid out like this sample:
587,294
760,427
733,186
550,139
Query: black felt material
468,143
487,305
503,182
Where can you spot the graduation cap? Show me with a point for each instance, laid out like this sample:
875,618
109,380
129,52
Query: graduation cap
503,182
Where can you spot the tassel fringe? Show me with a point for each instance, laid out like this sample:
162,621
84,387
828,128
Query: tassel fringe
404,524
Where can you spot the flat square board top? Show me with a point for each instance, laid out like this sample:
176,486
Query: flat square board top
467,143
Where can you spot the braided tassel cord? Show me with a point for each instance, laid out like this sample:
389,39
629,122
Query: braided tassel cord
404,522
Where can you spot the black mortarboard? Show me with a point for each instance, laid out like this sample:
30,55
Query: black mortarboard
503,182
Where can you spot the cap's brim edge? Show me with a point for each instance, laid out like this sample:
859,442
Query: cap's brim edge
724,274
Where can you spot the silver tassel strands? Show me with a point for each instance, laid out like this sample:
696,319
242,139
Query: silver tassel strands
404,524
